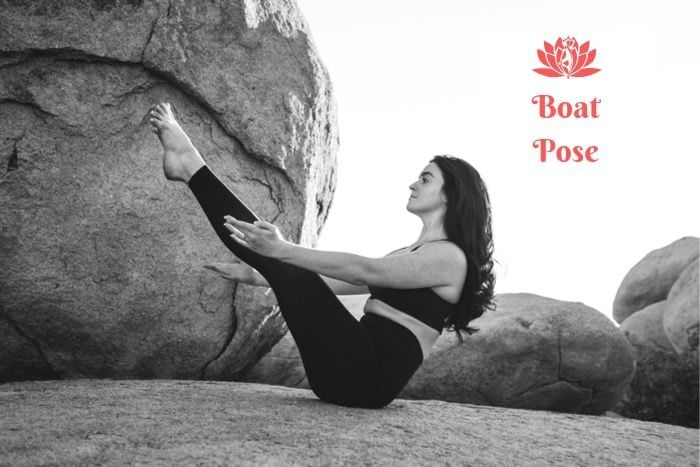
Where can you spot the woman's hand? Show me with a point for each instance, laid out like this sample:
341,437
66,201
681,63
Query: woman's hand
261,237
234,272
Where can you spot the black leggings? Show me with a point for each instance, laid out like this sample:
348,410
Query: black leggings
351,363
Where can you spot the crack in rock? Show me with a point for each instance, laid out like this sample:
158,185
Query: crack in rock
229,335
76,55
29,338
13,161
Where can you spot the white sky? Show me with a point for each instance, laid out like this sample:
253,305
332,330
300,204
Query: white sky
413,79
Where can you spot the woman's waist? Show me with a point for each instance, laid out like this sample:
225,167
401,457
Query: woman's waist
425,334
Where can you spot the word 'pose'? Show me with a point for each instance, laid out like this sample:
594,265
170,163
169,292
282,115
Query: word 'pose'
564,153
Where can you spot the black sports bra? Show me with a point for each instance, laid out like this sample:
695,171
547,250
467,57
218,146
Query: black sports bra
423,304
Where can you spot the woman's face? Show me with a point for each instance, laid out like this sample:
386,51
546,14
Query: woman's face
426,192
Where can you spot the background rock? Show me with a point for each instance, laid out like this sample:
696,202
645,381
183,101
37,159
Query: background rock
647,325
531,352
665,386
650,280
217,423
664,336
681,321
100,258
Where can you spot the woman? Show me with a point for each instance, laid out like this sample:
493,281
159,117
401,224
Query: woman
443,280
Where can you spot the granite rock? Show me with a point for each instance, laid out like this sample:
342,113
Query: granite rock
530,352
664,336
665,386
650,280
682,319
100,257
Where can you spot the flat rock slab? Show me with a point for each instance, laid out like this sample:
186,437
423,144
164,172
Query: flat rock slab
167,422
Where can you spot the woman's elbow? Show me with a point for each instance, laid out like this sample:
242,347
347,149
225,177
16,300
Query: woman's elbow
357,281
365,274
358,278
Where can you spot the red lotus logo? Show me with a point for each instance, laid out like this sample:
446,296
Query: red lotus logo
566,58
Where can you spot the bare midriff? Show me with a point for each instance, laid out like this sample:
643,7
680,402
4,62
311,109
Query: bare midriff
425,334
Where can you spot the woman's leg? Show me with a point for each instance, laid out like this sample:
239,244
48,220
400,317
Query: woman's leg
336,350
218,201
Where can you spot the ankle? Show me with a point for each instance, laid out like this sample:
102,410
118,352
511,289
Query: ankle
191,167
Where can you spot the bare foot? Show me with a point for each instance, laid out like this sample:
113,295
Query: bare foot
180,158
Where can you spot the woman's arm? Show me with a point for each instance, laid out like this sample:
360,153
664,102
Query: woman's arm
247,275
433,265
344,288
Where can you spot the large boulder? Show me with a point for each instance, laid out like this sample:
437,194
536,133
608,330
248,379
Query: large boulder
100,257
681,321
650,280
531,352
664,336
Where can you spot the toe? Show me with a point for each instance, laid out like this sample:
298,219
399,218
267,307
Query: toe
170,110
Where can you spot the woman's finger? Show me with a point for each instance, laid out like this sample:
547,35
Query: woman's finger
234,231
231,228
241,241
264,225
237,233
213,267
241,225
220,271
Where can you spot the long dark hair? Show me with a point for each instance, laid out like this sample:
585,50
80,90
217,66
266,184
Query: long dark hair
468,224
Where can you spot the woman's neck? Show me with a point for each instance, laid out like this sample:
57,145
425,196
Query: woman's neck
431,233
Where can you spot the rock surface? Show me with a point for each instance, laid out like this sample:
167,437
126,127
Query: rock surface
216,423
531,352
650,280
100,258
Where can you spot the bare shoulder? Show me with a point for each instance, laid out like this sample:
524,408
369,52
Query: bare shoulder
447,252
